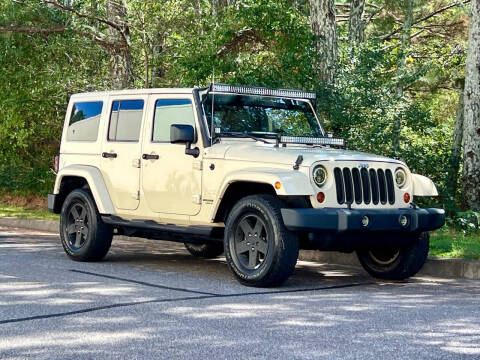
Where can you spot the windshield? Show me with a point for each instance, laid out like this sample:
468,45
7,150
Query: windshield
260,115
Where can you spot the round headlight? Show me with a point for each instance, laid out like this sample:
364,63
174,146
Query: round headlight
320,175
400,177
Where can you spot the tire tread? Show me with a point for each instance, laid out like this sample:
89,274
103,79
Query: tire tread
284,264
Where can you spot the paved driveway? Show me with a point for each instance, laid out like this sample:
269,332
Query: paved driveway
150,299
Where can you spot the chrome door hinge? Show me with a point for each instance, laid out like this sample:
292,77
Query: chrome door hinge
136,163
136,195
197,199
197,165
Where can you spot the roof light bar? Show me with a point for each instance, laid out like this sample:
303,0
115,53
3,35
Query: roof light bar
253,90
331,141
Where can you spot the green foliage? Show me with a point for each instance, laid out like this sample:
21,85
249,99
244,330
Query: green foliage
26,213
451,243
260,42
468,222
39,74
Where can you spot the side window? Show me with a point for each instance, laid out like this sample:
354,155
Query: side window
125,120
84,121
168,112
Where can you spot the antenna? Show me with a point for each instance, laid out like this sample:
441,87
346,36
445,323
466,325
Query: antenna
212,128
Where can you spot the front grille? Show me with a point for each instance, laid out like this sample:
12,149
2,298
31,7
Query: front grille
364,186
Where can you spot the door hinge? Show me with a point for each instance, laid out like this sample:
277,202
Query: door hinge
197,165
136,195
136,163
197,199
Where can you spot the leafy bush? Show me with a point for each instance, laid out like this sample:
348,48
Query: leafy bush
468,222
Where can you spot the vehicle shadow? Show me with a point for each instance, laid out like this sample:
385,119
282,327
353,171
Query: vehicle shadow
173,257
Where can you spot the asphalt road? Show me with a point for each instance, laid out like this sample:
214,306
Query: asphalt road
151,300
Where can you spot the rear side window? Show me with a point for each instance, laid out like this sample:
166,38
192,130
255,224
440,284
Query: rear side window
125,120
168,112
84,121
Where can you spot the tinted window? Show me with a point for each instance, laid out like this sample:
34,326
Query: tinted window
125,120
261,114
84,121
168,112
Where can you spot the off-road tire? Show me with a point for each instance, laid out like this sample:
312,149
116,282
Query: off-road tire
207,250
96,240
407,263
282,245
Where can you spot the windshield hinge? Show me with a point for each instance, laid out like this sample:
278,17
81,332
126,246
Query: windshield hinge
298,162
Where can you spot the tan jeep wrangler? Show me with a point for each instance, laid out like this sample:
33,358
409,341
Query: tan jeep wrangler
243,170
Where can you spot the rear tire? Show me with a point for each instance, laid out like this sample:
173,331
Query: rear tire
259,250
207,250
396,263
83,234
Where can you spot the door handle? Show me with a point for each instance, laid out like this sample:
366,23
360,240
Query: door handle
150,157
109,155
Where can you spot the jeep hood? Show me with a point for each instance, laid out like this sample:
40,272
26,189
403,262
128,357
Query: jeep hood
267,153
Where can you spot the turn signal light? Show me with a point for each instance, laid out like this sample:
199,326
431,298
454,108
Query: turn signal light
406,197
320,197
278,185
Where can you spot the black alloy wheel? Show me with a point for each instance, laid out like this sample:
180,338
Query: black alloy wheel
84,236
251,242
396,262
259,250
77,225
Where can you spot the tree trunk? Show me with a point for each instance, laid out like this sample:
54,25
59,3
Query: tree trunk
121,67
405,41
471,127
324,28
218,5
356,25
456,152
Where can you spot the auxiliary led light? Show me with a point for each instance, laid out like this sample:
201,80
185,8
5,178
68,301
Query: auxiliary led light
253,90
313,140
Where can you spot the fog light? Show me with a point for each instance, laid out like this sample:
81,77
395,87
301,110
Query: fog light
403,220
365,221
406,197
320,197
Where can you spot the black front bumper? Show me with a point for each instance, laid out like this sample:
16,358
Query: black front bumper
333,220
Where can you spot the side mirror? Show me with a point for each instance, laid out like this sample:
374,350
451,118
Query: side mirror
184,134
181,134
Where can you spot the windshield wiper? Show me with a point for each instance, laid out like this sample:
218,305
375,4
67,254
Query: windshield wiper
240,135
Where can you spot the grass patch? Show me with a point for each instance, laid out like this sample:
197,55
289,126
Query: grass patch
448,242
26,212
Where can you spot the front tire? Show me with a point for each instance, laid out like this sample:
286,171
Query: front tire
396,263
207,250
83,234
259,250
